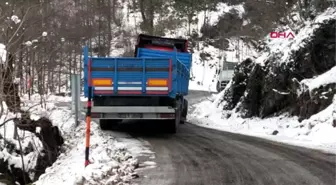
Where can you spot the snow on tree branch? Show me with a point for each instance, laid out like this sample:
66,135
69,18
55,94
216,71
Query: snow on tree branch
3,54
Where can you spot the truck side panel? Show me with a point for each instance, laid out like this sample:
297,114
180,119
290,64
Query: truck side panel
184,58
160,76
181,83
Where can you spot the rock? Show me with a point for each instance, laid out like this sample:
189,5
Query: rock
12,174
275,88
135,175
275,132
252,100
238,87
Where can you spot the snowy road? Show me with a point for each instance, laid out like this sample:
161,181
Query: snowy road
198,155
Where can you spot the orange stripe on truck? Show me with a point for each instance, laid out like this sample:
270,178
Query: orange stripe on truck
157,82
102,82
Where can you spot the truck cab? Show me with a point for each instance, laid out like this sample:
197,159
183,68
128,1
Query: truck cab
225,74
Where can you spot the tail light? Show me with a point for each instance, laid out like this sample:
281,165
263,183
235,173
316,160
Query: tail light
167,115
95,115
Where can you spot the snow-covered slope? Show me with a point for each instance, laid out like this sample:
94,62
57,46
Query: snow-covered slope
286,47
112,156
203,69
316,130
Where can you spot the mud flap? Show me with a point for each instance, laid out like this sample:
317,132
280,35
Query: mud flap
108,124
184,112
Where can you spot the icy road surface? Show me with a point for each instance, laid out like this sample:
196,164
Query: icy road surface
202,156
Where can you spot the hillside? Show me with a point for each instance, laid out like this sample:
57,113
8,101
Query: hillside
281,87
288,91
217,30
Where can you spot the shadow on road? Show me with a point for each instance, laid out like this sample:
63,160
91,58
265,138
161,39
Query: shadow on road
144,128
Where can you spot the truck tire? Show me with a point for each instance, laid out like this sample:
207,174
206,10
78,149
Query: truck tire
173,124
108,124
184,112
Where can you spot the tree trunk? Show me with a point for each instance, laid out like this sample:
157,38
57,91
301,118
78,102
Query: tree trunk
109,22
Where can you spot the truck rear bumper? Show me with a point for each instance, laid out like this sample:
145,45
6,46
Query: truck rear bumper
125,112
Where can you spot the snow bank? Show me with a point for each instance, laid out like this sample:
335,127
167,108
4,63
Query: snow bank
112,155
315,132
109,163
29,141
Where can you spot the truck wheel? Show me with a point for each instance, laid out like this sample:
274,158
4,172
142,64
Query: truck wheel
184,112
108,124
171,126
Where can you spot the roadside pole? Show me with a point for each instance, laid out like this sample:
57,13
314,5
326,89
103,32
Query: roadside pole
87,62
75,95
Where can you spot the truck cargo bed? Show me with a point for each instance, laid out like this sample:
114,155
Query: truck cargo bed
161,73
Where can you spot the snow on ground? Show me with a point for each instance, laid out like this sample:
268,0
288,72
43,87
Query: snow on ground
7,131
315,132
112,155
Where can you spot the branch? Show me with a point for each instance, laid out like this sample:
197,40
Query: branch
21,151
11,119
23,20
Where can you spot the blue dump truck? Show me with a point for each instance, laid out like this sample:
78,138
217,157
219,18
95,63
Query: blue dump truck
152,85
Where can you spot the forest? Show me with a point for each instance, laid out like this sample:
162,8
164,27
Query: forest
45,37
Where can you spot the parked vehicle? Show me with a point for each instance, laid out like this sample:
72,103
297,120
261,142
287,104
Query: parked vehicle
225,74
151,85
